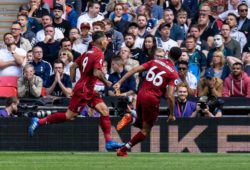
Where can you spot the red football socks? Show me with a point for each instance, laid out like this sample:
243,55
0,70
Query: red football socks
54,118
136,139
106,127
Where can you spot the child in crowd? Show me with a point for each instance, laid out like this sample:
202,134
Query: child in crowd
182,21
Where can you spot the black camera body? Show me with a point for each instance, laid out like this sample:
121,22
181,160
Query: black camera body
120,105
203,102
26,110
212,102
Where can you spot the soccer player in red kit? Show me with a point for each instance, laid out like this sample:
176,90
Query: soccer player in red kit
160,80
90,65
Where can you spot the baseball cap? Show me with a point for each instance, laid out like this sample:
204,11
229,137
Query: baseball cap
58,6
209,73
164,25
85,25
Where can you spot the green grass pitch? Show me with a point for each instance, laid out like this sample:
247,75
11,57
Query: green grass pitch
109,161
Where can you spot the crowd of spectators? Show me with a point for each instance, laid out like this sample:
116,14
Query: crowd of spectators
215,46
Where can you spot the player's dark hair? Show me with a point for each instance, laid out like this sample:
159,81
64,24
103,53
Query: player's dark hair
97,35
175,53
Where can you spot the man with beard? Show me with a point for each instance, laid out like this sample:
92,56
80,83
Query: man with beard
10,107
237,84
235,33
12,57
59,22
26,32
47,21
142,26
130,43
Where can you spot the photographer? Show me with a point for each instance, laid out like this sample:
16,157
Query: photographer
29,85
10,107
209,107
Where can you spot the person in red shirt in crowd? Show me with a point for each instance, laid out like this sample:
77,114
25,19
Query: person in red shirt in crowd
90,64
160,79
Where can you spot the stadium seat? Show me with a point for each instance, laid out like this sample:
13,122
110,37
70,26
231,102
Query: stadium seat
8,86
43,93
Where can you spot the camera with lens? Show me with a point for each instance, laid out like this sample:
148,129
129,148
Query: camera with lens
203,102
26,110
32,111
120,105
212,102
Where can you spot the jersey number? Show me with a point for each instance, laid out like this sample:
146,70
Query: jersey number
84,63
155,78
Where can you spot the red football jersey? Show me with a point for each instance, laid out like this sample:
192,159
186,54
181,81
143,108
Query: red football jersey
92,59
161,73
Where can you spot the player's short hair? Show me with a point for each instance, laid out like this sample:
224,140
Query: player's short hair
175,53
97,35
11,100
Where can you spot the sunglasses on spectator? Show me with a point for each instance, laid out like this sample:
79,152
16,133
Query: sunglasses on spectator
63,53
182,68
243,10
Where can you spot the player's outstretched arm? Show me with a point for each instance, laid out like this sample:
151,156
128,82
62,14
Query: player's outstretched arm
101,76
170,100
134,70
73,68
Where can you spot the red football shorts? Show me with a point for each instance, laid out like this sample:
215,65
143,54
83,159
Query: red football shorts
79,101
147,108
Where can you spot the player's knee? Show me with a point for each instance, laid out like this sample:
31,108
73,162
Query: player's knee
71,115
105,111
